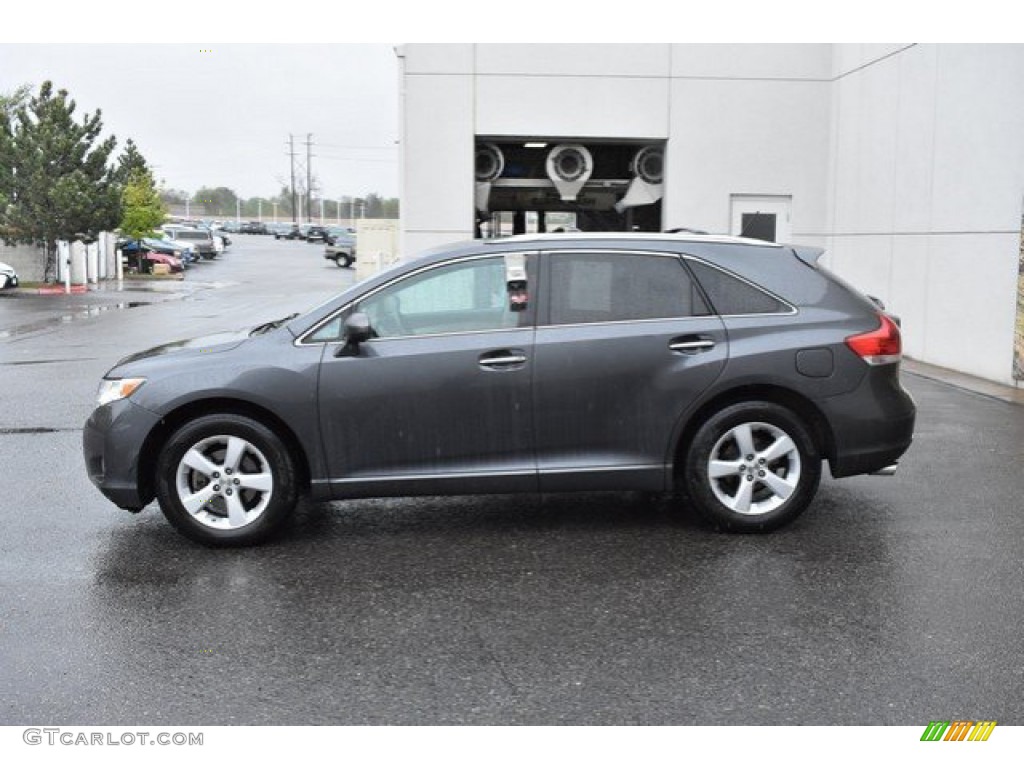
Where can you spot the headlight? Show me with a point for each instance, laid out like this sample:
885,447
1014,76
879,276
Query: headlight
116,389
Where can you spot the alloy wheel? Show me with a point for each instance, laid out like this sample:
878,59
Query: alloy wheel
224,482
754,468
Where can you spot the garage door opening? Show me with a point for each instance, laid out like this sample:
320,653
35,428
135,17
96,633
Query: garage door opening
545,185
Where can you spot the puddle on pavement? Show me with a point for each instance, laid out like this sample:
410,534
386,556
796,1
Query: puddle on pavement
69,317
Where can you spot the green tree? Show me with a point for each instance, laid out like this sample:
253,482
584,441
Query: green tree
173,196
215,201
9,105
62,187
142,210
129,161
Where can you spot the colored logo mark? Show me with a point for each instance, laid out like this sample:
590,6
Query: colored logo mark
958,730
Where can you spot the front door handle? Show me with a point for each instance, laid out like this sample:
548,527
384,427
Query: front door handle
503,359
691,344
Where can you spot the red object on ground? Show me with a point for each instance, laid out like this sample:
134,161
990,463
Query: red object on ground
52,290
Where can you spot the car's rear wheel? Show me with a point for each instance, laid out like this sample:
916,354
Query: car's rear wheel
751,467
226,480
343,261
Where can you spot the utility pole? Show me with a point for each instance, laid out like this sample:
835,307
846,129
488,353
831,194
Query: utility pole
291,154
309,176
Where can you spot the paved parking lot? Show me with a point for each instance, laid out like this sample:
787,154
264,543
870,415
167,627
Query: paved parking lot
891,601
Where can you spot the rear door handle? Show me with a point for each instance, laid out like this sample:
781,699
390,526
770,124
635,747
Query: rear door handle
503,359
691,344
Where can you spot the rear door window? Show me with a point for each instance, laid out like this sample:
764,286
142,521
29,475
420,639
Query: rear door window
589,287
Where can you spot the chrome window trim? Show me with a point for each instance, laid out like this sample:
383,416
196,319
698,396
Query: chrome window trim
302,342
429,335
632,322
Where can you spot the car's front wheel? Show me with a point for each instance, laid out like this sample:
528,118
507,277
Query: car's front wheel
751,467
226,480
343,261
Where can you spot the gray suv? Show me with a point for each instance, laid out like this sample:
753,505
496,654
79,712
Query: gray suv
722,369
200,239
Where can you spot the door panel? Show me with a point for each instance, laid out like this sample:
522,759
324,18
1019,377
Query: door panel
439,401
608,395
429,407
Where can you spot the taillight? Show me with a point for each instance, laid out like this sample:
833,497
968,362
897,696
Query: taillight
880,346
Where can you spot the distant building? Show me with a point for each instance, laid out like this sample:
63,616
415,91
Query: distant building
905,161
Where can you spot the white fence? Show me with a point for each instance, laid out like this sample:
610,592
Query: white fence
77,263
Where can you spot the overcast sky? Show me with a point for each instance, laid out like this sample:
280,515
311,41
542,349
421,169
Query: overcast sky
223,118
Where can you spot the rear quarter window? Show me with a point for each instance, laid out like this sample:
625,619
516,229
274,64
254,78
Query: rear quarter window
729,295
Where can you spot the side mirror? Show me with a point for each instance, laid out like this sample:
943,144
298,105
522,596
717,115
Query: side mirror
357,328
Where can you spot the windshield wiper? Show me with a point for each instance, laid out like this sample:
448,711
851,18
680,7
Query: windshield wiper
272,325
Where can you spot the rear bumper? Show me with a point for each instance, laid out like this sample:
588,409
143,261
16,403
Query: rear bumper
112,441
871,426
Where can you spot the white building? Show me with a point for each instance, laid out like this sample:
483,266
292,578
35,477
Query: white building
905,161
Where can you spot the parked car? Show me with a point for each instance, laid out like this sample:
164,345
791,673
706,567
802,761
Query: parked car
8,277
224,236
254,228
184,251
316,234
288,232
342,250
724,369
129,248
346,233
151,258
200,238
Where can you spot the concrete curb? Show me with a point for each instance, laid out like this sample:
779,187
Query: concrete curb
964,381
56,290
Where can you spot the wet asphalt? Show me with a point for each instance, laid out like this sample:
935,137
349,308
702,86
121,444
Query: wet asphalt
891,601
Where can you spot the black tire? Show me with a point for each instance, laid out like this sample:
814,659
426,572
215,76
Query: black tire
259,513
763,496
343,261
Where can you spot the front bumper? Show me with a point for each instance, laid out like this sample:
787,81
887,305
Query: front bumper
112,442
